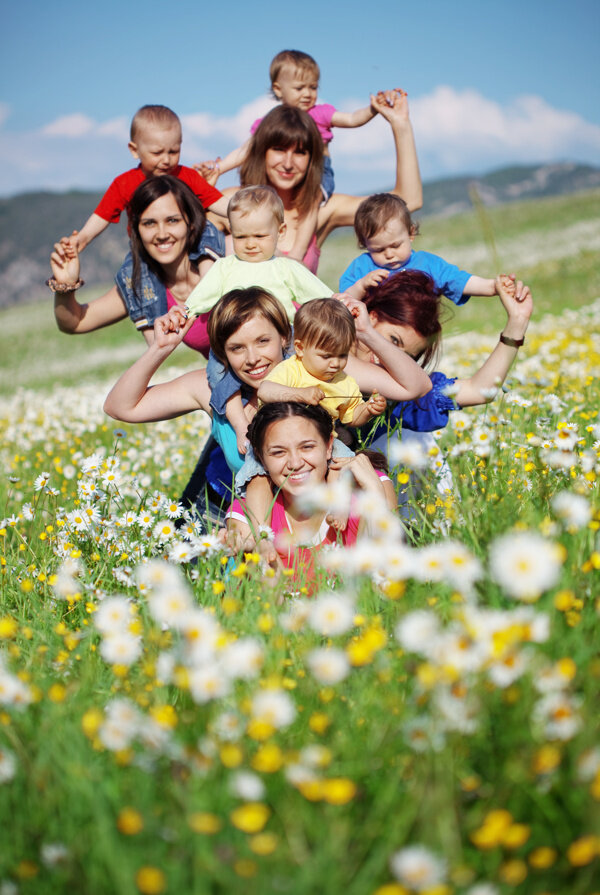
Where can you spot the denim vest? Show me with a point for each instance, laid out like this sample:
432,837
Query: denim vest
150,301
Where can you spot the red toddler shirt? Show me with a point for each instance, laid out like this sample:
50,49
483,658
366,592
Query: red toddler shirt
118,196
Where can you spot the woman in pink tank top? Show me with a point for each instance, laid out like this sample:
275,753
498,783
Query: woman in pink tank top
286,152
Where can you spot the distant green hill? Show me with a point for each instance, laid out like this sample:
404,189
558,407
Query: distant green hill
30,223
451,195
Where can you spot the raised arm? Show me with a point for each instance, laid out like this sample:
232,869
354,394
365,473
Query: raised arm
133,400
340,210
481,388
401,380
93,227
353,119
71,316
393,106
212,170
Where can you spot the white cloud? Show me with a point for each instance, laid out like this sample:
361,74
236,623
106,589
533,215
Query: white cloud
460,131
76,125
457,131
237,127
115,127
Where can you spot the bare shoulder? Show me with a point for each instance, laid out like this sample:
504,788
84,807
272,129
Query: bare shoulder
339,211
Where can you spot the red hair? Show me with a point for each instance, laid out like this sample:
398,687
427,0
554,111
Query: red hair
409,298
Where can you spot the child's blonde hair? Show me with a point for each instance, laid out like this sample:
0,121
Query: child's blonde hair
325,323
376,211
251,198
159,116
296,60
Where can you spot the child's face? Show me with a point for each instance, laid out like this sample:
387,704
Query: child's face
255,234
319,362
296,88
157,149
390,247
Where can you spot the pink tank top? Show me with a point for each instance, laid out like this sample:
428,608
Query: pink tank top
197,336
313,254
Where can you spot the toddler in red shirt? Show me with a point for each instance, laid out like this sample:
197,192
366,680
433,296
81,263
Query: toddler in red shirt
155,140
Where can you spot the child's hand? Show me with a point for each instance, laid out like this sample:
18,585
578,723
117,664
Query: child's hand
507,283
209,170
177,319
311,394
376,404
374,278
512,287
64,260
170,329
391,104
517,300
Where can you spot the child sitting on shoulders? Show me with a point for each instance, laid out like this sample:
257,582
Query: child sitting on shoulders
256,220
384,228
324,333
295,82
155,140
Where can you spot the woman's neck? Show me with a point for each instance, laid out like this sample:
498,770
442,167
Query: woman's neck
301,522
180,279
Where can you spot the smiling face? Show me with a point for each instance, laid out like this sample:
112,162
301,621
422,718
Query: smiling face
163,230
391,246
399,334
296,87
254,349
286,168
157,149
319,362
255,234
295,455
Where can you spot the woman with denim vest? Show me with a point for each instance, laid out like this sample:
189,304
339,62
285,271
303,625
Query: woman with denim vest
170,234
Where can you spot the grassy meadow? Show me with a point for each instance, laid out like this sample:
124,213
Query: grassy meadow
176,720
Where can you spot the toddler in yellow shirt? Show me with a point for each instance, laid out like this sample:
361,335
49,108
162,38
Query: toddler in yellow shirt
324,333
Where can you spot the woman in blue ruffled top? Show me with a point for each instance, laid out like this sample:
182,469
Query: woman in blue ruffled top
406,310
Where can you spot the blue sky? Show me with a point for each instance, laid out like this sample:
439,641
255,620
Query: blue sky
489,83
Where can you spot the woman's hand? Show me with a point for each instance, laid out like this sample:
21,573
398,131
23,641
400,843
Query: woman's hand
358,309
361,468
170,329
391,104
64,260
518,303
210,170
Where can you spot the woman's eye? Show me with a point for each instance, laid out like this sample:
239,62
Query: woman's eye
395,341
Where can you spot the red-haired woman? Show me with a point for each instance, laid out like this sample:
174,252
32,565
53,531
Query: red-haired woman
405,310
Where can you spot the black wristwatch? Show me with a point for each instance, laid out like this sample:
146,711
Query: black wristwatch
512,343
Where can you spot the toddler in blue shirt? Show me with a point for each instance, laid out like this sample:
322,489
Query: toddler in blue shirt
384,228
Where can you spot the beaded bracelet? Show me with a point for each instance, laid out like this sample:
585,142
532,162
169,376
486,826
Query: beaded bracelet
64,287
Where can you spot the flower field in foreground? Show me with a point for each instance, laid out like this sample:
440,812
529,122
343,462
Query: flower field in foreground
173,720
